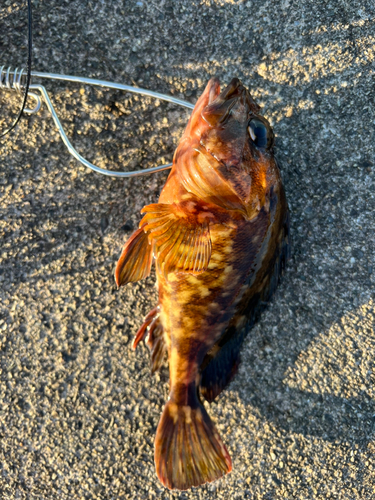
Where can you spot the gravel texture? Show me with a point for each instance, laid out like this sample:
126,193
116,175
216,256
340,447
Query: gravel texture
78,407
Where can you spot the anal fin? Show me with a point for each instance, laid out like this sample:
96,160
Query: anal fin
152,330
221,364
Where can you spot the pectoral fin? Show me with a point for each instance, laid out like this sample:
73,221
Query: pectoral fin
182,242
136,259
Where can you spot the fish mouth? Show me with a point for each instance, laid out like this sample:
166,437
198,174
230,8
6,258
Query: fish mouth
213,89
233,89
220,104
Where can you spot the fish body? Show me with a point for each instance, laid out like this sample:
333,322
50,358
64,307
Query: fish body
219,237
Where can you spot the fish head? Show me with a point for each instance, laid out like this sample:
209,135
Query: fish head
234,162
233,121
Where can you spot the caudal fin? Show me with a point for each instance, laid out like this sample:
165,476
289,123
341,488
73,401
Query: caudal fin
188,449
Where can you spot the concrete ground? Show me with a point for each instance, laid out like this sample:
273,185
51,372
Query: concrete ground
78,407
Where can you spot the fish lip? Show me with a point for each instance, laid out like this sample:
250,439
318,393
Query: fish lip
234,91
214,91
231,88
225,100
211,153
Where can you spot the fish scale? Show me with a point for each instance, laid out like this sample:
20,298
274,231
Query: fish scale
220,238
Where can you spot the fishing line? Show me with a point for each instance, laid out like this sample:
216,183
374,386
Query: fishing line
28,78
13,80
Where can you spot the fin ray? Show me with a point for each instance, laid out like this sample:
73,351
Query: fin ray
136,259
182,244
188,449
153,330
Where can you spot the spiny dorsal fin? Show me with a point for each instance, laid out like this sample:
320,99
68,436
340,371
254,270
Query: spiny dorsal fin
182,241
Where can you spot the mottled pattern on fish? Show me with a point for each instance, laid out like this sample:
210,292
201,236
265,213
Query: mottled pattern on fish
219,236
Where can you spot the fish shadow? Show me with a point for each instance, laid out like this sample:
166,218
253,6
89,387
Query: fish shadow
308,373
332,418
307,365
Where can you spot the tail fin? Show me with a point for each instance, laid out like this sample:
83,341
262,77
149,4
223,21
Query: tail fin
188,449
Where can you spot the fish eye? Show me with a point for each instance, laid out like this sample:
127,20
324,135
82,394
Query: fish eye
259,133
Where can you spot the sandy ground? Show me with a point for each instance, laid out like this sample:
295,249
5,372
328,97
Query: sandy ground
78,407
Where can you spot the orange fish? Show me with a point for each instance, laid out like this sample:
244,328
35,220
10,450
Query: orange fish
219,238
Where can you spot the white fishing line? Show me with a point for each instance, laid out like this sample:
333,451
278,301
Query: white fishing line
19,81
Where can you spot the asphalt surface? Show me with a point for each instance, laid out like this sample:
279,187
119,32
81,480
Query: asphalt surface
78,407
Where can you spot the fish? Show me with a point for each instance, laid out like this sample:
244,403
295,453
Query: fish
219,238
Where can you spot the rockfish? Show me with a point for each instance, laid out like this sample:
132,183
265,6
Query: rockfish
219,238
